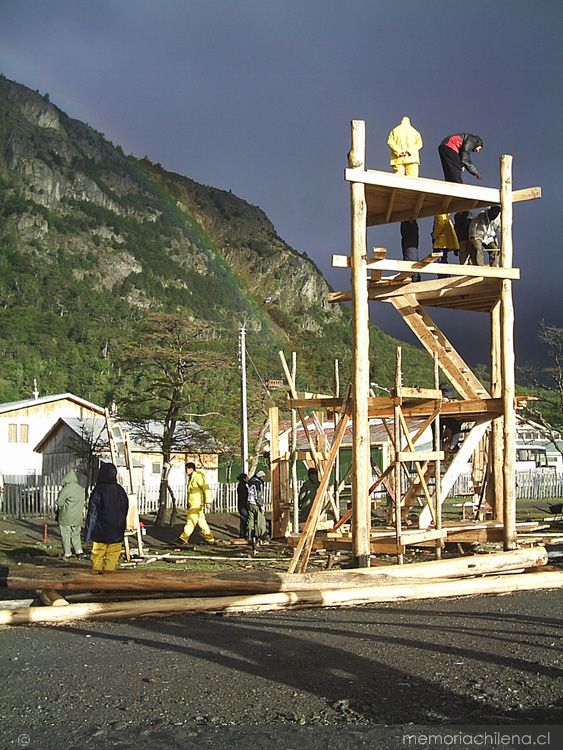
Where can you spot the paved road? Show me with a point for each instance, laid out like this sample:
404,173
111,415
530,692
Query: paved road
309,678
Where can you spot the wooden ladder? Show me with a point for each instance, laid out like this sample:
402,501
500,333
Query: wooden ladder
435,342
120,452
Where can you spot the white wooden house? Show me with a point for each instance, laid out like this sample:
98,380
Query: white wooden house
24,423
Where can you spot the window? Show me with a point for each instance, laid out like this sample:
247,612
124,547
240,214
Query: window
156,468
18,433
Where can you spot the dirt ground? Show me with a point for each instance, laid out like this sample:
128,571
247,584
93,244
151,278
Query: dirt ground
318,678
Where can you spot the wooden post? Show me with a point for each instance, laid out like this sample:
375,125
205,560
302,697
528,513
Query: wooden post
305,544
397,446
336,490
295,491
507,362
361,467
293,392
495,492
275,486
437,466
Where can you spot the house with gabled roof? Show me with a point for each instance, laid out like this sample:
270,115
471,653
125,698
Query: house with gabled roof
23,423
83,442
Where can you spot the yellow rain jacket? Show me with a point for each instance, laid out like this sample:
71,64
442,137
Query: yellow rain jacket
405,143
443,233
199,493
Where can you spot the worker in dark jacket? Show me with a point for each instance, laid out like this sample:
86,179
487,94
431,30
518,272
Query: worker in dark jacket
409,242
242,503
106,519
307,493
455,154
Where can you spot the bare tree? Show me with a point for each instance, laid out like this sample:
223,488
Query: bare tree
547,411
172,353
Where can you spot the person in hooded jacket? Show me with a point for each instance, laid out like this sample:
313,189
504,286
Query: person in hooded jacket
405,142
242,503
257,527
199,497
455,154
70,514
106,519
444,238
307,493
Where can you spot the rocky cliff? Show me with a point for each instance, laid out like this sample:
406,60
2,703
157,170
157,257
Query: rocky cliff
91,240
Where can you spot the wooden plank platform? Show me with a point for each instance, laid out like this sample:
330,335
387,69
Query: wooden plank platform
383,541
382,406
391,197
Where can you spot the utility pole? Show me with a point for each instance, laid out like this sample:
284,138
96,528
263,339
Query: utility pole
244,413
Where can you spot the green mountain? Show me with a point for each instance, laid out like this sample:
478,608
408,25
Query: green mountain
92,241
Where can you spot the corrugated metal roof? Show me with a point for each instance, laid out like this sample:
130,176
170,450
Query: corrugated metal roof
26,403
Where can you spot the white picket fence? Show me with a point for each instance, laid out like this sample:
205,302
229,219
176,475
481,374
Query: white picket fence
530,485
36,496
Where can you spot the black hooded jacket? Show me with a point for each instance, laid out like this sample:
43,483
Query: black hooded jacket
107,508
469,143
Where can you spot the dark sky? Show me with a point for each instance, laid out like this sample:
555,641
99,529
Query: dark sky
256,96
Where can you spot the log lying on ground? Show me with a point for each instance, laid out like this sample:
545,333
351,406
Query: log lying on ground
393,591
52,598
78,579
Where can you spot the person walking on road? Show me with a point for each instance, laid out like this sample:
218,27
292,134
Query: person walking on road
199,496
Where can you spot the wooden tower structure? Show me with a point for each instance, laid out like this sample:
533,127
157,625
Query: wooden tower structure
379,198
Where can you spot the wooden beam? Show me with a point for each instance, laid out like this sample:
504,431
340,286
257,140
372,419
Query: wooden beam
507,358
418,205
401,590
442,269
52,598
382,406
494,488
361,463
527,194
422,185
390,205
33,577
312,447
471,441
275,473
436,187
418,456
303,550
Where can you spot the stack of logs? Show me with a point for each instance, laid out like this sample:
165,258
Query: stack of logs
259,591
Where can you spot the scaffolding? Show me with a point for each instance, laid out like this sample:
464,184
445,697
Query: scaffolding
379,198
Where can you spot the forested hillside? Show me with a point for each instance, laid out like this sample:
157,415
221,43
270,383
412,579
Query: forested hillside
93,241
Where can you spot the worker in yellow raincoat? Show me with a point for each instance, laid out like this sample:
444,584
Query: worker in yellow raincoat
444,238
405,142
199,495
